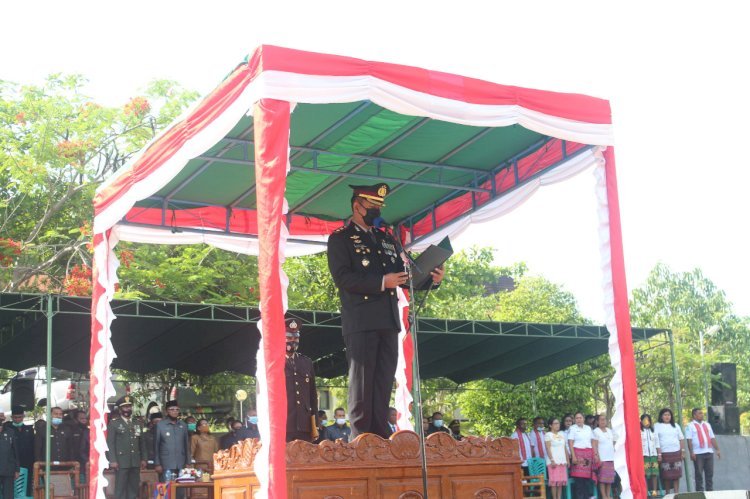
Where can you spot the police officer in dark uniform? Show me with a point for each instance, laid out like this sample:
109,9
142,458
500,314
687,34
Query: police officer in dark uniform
124,442
9,461
60,439
147,440
301,395
24,441
367,267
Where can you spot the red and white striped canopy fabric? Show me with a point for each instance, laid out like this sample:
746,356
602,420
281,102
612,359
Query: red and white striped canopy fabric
267,87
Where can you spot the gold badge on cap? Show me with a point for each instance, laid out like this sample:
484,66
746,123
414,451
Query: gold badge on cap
365,262
382,191
293,324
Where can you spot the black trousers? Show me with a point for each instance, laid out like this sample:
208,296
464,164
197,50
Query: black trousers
127,482
7,484
372,358
582,488
704,463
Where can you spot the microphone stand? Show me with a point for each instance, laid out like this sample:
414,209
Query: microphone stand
416,381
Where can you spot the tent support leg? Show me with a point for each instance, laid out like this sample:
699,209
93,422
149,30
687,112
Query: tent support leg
678,399
48,405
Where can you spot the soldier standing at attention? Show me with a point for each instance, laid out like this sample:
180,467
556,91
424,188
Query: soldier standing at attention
124,442
301,395
367,267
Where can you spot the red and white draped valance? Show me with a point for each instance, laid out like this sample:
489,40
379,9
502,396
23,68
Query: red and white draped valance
267,86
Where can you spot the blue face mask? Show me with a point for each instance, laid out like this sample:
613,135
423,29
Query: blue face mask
438,423
56,421
191,426
252,419
18,425
340,421
323,422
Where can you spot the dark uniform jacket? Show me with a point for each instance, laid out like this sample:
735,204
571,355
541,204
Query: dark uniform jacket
77,434
334,432
60,444
147,445
301,395
24,442
9,459
358,260
171,446
124,442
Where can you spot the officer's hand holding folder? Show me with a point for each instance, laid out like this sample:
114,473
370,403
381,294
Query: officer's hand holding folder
431,258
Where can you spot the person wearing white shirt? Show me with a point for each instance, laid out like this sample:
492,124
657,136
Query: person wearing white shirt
581,456
604,453
557,458
651,453
525,446
702,443
672,443
537,438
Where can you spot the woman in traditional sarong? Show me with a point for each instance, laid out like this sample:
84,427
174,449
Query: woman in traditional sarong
672,443
604,455
581,457
651,453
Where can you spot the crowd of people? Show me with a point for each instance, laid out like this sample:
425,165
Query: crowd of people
582,447
575,446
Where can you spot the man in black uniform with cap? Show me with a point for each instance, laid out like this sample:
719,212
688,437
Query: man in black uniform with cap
367,267
124,442
301,395
24,442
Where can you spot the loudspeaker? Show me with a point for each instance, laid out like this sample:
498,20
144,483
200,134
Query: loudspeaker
22,393
724,384
724,419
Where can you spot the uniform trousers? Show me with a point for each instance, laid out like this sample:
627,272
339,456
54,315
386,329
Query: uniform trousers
127,483
704,463
7,484
372,358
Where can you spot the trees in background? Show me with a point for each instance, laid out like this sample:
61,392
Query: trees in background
57,146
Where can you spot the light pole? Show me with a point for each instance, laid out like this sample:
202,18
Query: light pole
713,329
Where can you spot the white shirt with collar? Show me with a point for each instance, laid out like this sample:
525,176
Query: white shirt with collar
691,432
581,436
669,437
526,442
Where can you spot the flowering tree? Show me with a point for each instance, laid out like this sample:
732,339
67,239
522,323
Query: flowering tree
56,147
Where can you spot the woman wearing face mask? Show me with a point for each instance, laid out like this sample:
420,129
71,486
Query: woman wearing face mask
203,445
191,425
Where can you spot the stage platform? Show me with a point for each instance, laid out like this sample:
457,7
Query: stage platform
372,467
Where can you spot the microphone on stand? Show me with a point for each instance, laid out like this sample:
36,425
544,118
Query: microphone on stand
380,223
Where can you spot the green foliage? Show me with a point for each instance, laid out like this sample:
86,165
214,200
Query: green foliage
56,147
687,303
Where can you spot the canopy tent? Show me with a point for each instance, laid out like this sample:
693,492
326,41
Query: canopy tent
205,339
302,125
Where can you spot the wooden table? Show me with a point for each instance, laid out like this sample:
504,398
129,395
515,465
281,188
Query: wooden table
190,486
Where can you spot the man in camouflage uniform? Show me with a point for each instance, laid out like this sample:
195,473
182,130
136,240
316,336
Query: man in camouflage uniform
124,442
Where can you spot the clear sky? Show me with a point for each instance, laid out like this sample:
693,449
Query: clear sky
675,73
